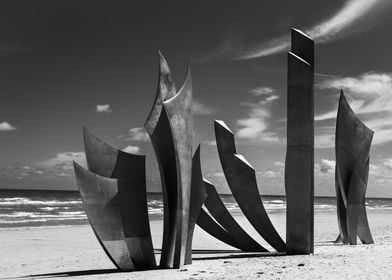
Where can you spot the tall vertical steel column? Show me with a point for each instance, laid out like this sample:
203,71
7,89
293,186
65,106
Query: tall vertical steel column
299,170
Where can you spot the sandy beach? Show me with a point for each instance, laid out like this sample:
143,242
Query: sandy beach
73,251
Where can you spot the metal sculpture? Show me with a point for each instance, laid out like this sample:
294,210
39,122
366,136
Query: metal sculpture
220,213
241,178
299,168
129,199
105,200
353,141
209,225
170,127
198,195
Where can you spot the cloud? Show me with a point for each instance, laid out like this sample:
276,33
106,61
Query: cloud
5,126
209,142
354,16
261,91
218,174
201,109
279,164
271,174
327,166
104,108
370,97
63,161
131,149
387,163
138,134
256,124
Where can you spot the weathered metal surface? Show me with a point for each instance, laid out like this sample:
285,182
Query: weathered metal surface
241,178
299,167
353,141
102,204
170,127
198,196
105,160
220,213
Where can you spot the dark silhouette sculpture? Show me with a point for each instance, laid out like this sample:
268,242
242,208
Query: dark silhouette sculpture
241,178
299,168
128,201
353,141
170,127
198,195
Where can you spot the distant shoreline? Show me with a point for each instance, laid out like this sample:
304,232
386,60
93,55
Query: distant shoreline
159,193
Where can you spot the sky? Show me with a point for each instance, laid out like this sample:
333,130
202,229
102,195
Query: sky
69,64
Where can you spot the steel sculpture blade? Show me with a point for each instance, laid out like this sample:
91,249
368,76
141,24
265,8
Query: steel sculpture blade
102,203
170,127
219,212
208,224
353,141
105,160
198,195
299,167
241,178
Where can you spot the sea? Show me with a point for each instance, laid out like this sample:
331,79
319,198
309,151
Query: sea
37,208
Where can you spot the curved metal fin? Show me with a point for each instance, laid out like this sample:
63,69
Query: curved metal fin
198,195
170,127
107,161
166,90
353,142
102,205
220,213
241,178
208,224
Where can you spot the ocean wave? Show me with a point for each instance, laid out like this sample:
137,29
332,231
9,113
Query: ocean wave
27,201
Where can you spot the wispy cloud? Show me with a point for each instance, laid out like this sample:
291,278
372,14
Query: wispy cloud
201,109
103,108
255,125
138,134
131,149
370,97
354,16
63,160
5,126
261,91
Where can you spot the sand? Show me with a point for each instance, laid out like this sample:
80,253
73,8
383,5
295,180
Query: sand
73,251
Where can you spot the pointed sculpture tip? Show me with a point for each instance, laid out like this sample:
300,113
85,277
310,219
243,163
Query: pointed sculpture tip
206,181
223,124
243,159
299,31
198,148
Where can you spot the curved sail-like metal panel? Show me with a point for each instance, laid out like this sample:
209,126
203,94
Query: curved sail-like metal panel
353,141
107,161
219,212
170,127
241,178
117,212
102,205
299,167
198,195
